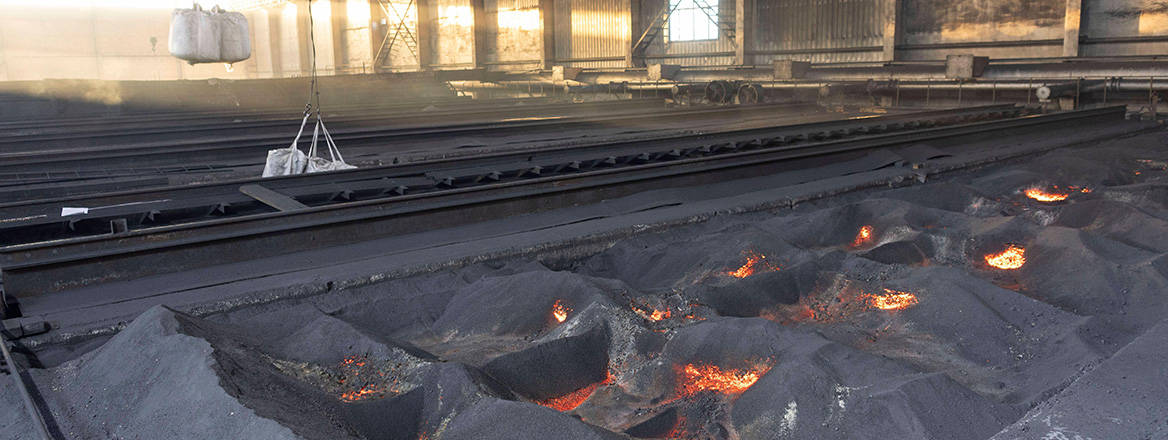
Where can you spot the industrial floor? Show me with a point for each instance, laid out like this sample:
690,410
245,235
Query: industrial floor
1021,299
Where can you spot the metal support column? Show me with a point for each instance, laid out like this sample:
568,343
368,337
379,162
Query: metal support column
378,28
426,23
890,18
744,13
480,34
1071,28
275,45
304,48
547,20
340,20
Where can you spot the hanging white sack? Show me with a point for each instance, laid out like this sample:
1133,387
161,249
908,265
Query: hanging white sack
284,162
194,35
235,38
287,161
319,164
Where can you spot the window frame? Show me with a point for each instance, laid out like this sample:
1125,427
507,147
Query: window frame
695,13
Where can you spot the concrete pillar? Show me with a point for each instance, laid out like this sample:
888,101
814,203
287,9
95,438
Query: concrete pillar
339,9
1071,28
425,35
891,28
481,32
547,19
744,14
274,39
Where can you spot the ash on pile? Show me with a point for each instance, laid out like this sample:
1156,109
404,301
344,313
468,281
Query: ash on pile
1024,300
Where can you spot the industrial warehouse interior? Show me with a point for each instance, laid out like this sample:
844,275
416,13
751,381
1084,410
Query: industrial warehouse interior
584,219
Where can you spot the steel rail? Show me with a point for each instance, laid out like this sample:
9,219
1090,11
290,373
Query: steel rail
30,406
162,117
248,150
30,176
114,134
54,266
39,220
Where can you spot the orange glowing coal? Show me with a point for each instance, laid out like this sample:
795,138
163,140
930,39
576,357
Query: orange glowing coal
353,361
1011,258
753,261
573,399
892,300
653,314
697,378
366,392
863,236
1044,196
560,311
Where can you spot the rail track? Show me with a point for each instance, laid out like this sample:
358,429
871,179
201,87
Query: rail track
249,219
57,135
28,221
246,149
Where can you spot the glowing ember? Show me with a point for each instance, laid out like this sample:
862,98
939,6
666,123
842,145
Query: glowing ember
698,378
366,392
892,300
560,311
654,314
863,236
353,362
1043,196
573,399
1011,258
753,260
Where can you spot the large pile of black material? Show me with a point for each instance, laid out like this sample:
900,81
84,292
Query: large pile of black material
758,326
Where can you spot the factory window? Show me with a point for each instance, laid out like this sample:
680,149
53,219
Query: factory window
693,20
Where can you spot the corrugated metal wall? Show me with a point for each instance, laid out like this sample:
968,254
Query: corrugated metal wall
786,29
597,32
807,30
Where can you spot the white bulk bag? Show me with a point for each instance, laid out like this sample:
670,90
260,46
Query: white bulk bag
284,162
287,161
235,38
214,36
194,35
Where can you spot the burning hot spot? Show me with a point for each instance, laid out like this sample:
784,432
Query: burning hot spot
863,236
892,300
1011,258
366,392
1044,196
754,262
573,399
560,311
654,314
695,378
